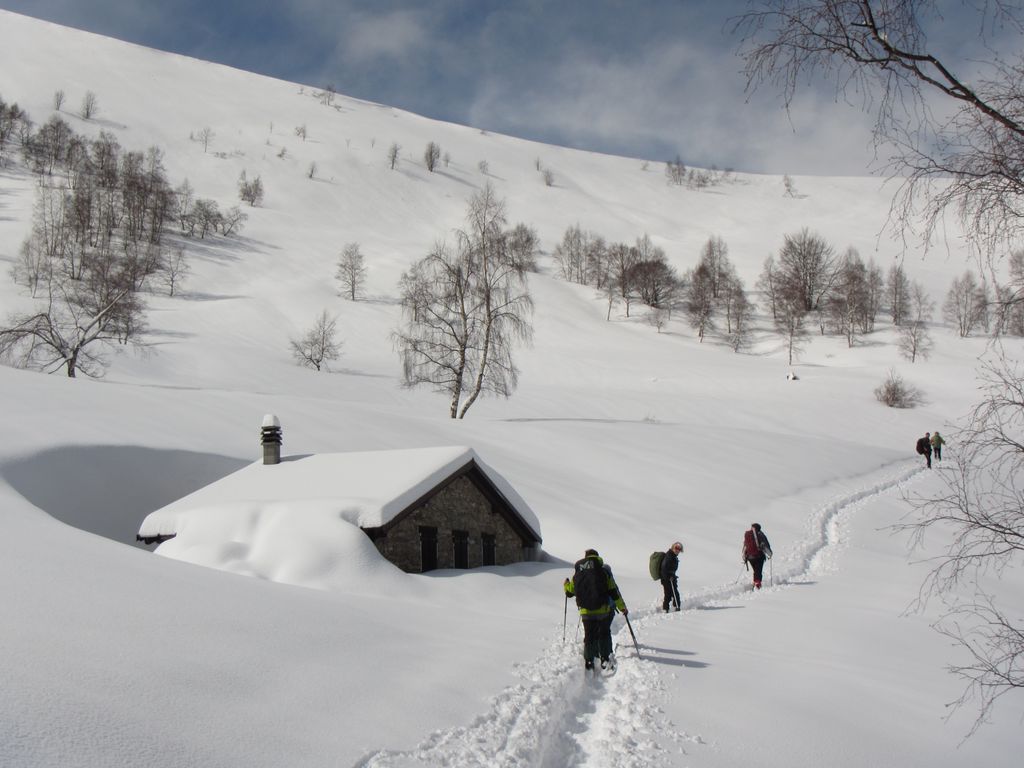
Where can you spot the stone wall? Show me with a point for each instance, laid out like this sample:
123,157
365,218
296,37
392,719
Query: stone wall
460,506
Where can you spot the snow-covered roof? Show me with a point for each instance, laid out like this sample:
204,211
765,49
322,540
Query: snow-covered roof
367,489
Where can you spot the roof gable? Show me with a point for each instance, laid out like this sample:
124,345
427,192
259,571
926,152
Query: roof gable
484,482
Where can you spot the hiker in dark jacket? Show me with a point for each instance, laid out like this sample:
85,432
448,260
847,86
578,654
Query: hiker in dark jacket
669,580
924,447
597,597
756,550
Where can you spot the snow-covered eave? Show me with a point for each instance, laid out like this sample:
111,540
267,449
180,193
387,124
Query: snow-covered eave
157,538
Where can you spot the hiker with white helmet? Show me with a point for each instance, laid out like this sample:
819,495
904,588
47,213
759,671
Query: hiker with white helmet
669,579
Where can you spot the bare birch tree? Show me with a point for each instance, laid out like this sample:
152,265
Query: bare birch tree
351,272
913,338
807,268
70,331
505,298
966,304
700,300
319,344
464,310
791,323
621,260
175,269
898,290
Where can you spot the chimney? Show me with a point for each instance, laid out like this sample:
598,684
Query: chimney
270,437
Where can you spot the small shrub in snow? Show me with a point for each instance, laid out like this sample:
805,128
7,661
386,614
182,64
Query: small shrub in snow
251,192
90,106
431,155
896,393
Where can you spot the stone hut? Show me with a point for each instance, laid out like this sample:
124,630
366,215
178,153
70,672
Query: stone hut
423,509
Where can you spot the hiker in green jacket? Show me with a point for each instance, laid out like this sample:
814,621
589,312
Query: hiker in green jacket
597,597
937,443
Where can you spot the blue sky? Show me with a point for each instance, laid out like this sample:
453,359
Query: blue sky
651,79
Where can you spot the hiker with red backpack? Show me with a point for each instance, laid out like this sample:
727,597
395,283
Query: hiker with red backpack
924,447
597,597
756,550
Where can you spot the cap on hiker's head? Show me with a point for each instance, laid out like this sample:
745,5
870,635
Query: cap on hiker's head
678,545
756,526
590,552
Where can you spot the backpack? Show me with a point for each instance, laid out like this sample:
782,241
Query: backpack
751,546
920,445
655,565
590,584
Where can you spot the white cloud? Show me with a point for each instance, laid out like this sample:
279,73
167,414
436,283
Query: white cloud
394,35
679,98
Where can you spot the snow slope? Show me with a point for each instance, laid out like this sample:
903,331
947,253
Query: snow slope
619,437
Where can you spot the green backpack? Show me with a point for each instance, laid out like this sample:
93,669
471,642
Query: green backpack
655,565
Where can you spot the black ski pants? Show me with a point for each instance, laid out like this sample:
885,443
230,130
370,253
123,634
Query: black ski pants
671,587
757,563
597,636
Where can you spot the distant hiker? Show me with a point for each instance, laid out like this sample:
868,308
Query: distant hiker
937,443
924,447
597,597
756,550
669,580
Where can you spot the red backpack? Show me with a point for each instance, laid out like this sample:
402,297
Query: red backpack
751,547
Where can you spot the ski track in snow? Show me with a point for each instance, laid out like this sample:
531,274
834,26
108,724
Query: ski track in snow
557,718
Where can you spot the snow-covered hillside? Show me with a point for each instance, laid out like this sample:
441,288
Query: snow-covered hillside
619,437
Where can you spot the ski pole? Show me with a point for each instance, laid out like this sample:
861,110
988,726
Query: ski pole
565,617
630,627
771,573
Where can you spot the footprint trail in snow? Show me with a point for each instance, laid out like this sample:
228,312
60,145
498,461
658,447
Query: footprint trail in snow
556,718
